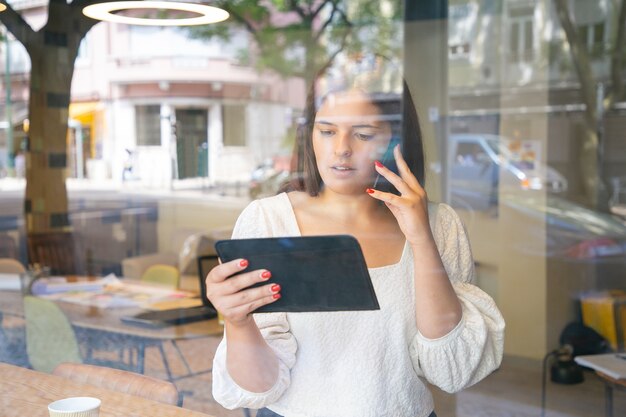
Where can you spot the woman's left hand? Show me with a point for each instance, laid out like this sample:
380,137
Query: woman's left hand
410,208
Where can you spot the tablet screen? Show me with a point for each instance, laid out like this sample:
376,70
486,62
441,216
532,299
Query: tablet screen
316,273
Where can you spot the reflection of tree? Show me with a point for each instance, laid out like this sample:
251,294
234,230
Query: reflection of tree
301,38
52,50
590,146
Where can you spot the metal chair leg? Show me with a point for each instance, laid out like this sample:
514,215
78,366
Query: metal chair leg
166,363
182,357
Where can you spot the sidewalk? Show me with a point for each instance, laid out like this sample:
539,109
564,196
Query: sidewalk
190,190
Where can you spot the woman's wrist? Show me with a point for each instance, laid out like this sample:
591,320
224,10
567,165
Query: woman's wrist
240,325
419,243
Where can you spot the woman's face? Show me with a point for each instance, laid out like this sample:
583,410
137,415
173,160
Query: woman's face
348,136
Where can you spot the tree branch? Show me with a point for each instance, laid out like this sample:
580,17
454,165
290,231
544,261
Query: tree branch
81,4
617,59
296,8
17,25
239,18
341,48
581,61
321,6
327,23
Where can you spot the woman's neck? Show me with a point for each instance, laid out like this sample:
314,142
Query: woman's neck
350,205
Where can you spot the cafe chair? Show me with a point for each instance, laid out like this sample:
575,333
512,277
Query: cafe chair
11,266
11,335
121,381
50,338
57,250
162,274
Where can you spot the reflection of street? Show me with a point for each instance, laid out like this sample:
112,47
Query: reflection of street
112,222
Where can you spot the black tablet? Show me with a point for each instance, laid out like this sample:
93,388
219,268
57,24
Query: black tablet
315,273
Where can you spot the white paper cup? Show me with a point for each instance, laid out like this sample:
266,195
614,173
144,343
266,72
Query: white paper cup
75,407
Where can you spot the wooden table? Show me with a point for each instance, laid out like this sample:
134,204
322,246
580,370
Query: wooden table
104,322
24,392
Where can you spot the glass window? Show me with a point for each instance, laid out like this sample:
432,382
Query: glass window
234,125
148,125
521,34
175,131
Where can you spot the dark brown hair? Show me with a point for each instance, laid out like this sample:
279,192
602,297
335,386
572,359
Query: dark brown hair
406,128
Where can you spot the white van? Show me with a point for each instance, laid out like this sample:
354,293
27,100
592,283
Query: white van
476,163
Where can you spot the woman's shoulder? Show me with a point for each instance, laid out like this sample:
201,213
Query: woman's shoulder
298,199
280,203
442,216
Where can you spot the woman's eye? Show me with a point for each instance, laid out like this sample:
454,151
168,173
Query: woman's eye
364,136
326,132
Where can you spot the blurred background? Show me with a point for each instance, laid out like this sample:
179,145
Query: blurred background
140,144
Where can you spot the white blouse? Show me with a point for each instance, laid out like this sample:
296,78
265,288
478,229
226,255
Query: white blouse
369,363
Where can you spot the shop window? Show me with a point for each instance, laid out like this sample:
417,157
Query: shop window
148,125
592,36
234,125
521,37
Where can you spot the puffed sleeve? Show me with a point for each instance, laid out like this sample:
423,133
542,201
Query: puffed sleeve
473,349
273,326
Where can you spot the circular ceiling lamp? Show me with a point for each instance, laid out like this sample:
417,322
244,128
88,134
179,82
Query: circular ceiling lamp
200,14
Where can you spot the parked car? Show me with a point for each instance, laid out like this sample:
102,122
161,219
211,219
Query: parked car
267,178
481,166
573,231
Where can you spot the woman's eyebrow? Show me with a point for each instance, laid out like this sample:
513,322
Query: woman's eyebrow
365,127
358,126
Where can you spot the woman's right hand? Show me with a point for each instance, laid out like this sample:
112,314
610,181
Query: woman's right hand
230,294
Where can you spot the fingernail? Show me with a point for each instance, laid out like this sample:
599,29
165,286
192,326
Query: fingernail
276,296
369,191
275,288
266,274
379,164
243,263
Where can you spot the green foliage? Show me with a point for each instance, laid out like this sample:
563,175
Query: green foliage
297,38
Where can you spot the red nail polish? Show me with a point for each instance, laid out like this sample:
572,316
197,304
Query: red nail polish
243,263
378,164
369,191
266,275
276,296
275,288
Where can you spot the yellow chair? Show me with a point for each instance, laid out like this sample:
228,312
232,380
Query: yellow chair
12,337
162,274
121,381
11,266
50,337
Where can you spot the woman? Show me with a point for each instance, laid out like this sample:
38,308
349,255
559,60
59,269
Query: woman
433,323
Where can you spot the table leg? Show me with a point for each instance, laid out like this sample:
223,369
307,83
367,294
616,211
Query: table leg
608,399
141,356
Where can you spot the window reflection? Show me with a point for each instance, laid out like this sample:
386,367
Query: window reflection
172,131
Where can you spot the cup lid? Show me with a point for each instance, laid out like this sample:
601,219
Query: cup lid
74,404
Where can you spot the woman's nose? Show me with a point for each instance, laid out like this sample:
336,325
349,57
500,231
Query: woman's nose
342,145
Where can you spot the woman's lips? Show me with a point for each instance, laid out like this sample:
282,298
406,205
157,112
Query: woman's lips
341,171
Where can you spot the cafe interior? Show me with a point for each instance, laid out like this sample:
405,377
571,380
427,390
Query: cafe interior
133,135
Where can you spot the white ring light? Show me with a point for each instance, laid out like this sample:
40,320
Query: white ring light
207,14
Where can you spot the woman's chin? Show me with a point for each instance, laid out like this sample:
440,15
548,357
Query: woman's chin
347,188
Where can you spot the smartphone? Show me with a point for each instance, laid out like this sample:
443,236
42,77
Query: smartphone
389,161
